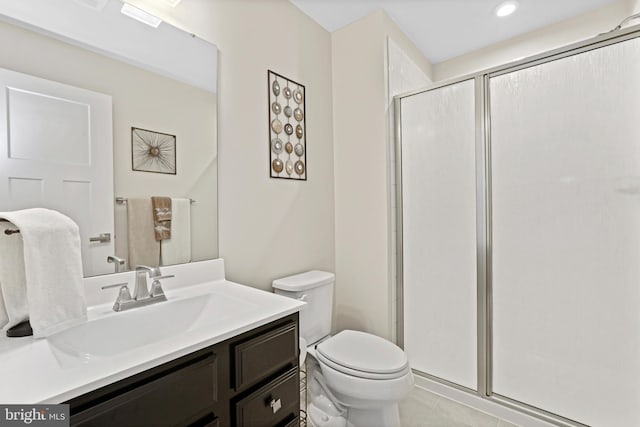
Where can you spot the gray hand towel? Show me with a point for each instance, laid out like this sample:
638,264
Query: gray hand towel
162,214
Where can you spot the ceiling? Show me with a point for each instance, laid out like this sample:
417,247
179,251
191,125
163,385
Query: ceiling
444,29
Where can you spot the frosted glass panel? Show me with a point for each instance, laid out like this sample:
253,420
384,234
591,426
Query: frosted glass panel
565,144
439,232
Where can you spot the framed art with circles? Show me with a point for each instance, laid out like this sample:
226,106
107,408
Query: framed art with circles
287,128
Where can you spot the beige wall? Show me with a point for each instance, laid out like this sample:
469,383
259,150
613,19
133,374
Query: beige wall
635,7
140,99
542,40
364,292
362,273
268,227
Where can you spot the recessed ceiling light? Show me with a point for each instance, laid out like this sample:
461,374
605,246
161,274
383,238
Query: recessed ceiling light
140,15
506,8
172,3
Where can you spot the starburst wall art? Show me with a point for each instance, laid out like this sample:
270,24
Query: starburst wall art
153,151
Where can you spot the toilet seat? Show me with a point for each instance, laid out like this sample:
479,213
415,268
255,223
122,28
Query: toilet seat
363,355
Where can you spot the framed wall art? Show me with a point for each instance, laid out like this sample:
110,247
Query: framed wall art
153,151
287,128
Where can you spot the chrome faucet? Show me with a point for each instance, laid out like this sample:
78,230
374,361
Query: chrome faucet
141,294
119,262
141,291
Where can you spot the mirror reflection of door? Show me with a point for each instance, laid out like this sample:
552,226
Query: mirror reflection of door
161,79
56,151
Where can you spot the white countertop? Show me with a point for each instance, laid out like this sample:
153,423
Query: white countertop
35,371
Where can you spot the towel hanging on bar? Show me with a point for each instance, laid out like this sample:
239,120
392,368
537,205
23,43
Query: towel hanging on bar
161,209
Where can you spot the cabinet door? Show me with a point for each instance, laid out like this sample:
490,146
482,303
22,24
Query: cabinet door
277,403
176,398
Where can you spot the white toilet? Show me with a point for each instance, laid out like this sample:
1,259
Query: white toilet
354,379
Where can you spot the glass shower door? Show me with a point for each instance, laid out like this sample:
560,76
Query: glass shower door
565,198
439,232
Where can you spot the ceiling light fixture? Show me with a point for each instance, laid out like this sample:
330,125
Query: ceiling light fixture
140,15
506,8
172,3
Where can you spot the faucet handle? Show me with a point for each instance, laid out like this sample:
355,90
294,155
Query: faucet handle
124,296
121,285
156,287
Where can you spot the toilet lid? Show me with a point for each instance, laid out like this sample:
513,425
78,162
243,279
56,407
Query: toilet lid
364,353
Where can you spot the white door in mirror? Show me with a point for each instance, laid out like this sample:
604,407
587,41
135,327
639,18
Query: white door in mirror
56,151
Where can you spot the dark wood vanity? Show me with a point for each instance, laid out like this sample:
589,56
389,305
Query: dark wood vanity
250,380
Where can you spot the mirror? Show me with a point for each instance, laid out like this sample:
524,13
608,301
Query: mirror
158,79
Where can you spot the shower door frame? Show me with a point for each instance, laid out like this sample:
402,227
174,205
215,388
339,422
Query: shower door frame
484,279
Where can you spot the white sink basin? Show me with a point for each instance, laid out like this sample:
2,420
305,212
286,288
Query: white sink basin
116,333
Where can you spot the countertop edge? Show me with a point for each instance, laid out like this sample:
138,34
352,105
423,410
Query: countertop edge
82,378
152,363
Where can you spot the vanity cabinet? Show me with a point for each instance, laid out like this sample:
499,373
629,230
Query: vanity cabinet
250,380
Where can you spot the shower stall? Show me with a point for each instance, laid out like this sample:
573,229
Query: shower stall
519,232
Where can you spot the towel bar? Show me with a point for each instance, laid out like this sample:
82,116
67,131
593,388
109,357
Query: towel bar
123,200
9,231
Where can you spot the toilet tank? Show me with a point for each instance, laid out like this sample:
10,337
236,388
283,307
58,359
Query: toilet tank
316,289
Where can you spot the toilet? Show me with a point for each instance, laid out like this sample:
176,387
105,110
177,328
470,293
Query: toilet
354,379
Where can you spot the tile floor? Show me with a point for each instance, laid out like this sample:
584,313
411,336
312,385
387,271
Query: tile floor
422,408
425,409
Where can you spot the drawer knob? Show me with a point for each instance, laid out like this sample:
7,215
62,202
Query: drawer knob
275,405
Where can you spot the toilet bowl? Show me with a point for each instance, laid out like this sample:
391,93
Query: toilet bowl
355,379
363,370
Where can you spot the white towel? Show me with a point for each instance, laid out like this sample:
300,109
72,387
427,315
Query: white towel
13,285
177,249
143,247
53,269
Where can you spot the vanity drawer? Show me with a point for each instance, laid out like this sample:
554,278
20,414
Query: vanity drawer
182,396
275,404
263,355
209,420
